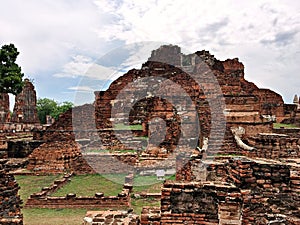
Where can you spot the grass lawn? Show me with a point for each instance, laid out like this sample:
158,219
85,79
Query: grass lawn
279,125
88,185
121,126
148,184
138,204
32,184
53,216
83,185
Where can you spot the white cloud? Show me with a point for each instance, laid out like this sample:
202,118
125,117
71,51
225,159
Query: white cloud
77,67
65,38
48,32
81,88
263,34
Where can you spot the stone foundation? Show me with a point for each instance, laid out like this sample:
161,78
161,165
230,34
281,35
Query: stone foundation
111,217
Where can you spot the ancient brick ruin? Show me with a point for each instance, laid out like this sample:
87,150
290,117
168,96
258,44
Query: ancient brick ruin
59,152
25,105
245,104
4,108
234,168
10,209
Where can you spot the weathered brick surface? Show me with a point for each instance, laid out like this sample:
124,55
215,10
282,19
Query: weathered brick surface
274,146
245,103
241,191
25,105
58,157
4,108
111,217
200,203
10,209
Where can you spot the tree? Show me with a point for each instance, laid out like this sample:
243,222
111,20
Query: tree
50,107
61,108
10,73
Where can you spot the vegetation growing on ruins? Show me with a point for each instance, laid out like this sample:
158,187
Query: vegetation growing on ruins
10,72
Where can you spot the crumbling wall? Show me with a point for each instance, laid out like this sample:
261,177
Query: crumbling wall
10,209
25,110
58,157
240,191
267,188
274,146
111,217
271,103
61,153
245,102
200,203
4,108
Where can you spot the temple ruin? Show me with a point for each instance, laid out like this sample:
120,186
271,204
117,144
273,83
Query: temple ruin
25,105
231,165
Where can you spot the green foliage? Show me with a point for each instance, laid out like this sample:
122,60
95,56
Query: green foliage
10,73
61,108
50,107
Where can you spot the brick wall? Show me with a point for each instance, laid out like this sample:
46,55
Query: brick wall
4,108
25,110
10,209
274,146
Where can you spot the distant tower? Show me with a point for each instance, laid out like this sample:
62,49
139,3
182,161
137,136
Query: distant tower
25,105
4,108
296,101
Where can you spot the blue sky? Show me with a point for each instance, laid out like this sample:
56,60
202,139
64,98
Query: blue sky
63,43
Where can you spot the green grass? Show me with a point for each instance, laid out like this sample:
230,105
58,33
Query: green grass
138,204
123,151
121,126
83,185
279,125
53,216
148,184
32,184
88,185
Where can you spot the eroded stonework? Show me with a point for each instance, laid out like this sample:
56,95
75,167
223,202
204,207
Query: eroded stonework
25,105
10,207
4,108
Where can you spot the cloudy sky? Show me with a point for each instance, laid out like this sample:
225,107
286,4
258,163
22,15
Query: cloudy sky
60,40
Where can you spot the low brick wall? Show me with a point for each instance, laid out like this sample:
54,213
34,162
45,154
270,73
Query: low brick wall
72,201
43,200
111,217
292,132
